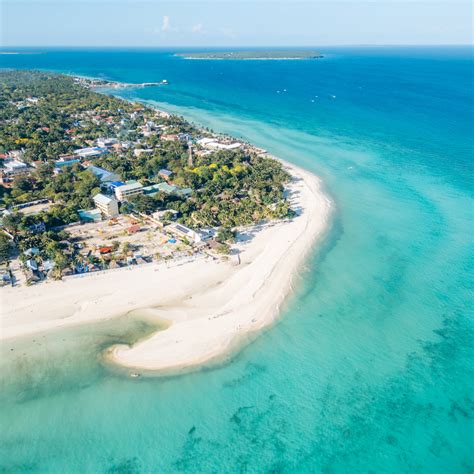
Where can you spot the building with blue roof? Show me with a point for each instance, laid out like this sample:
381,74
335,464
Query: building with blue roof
115,184
63,163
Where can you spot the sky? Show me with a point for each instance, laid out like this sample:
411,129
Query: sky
200,23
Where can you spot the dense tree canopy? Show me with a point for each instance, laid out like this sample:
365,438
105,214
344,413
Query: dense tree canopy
48,115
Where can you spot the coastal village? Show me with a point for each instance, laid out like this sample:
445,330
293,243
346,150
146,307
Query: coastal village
146,187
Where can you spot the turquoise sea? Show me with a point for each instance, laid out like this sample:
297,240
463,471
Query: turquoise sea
370,368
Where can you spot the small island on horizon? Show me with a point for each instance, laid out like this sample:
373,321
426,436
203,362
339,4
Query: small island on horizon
261,55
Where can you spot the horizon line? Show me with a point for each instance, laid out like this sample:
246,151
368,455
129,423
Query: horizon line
238,46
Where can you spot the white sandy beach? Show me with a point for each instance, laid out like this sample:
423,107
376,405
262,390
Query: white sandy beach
209,305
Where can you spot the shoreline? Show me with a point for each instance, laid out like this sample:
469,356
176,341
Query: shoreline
211,307
252,301
218,303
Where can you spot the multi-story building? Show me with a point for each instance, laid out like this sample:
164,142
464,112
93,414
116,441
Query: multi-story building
124,192
108,206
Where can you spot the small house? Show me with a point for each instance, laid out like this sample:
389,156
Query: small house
165,174
181,230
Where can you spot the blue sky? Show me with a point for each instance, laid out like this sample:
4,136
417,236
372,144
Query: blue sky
233,23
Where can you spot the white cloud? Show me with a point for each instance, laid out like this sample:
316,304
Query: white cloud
199,28
166,26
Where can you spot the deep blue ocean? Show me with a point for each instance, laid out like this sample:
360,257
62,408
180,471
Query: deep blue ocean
370,367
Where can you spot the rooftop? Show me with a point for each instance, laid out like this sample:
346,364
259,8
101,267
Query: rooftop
61,163
166,188
184,191
116,184
130,186
101,173
14,164
92,215
103,199
90,150
153,189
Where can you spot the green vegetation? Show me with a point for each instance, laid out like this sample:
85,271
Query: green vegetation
223,249
44,116
5,248
44,129
225,235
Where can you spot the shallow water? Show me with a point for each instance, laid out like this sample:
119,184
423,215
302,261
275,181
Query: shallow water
370,368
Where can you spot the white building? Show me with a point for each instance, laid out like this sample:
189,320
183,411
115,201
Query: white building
108,206
215,145
207,233
15,168
106,142
225,146
90,152
205,141
181,230
125,191
142,151
159,216
16,154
